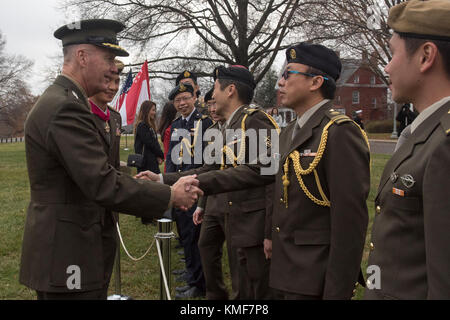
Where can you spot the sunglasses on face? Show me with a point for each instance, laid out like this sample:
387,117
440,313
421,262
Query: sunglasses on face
286,74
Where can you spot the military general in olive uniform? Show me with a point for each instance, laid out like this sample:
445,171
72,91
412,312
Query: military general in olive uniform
67,237
410,256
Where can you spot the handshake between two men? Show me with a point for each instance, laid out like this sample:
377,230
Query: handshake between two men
185,192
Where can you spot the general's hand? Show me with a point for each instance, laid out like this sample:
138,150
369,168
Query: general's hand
198,216
186,192
147,175
268,248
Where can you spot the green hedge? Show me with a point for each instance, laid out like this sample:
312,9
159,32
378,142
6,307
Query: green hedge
380,126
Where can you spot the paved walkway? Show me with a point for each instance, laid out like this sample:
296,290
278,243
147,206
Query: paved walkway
382,146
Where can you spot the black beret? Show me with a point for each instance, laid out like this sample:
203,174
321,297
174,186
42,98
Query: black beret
182,87
237,73
208,95
98,32
185,75
316,56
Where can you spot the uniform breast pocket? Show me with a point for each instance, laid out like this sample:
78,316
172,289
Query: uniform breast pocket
78,242
404,203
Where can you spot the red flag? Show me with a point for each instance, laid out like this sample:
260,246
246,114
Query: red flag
138,93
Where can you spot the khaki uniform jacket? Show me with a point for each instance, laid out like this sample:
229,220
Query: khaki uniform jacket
215,204
249,220
72,187
411,229
317,250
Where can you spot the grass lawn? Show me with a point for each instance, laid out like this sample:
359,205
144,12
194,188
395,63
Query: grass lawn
140,280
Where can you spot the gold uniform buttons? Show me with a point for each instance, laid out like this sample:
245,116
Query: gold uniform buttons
277,229
378,209
230,203
372,247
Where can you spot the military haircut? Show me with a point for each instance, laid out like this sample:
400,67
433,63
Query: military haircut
245,92
328,88
68,51
413,44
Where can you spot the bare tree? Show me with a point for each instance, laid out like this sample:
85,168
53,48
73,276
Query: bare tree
12,68
354,27
202,34
15,97
15,107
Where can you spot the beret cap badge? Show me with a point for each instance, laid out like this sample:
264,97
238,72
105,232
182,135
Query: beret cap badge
182,87
293,54
187,74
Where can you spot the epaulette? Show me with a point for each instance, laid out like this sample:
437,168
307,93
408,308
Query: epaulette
176,119
445,123
250,111
337,117
204,117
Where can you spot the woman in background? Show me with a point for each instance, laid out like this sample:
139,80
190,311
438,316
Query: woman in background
168,115
276,116
146,140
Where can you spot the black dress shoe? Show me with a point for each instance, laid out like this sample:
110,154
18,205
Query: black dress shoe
178,272
193,292
182,278
183,288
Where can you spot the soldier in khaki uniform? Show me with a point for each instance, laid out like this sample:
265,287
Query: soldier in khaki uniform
213,215
249,221
67,243
319,211
410,257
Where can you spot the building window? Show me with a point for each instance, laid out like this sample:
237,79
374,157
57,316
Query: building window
355,97
374,102
373,80
356,79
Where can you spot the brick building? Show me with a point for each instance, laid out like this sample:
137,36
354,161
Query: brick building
359,88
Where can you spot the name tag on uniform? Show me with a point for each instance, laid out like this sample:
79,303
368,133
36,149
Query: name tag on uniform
308,153
398,192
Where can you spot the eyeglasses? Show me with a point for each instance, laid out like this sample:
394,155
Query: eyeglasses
178,100
286,74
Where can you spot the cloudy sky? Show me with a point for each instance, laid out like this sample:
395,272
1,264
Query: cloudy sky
28,26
